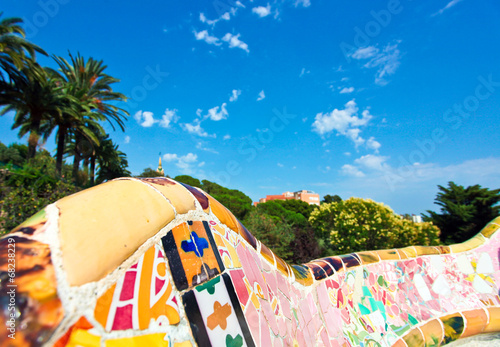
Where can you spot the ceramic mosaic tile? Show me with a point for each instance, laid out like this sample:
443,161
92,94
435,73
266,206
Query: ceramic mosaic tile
173,267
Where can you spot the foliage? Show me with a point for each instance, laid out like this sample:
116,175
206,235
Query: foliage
149,172
25,191
276,210
297,206
191,181
361,224
277,235
329,199
112,162
464,211
13,154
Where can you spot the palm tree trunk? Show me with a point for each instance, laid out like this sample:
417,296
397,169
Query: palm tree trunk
92,170
33,137
61,137
76,160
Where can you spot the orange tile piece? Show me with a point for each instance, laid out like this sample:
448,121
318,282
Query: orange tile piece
103,305
410,251
476,322
426,250
95,239
267,254
494,320
223,214
219,316
472,243
491,228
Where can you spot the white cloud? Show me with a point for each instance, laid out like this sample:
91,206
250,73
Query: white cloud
216,115
224,16
386,61
346,90
226,137
196,129
170,116
350,170
145,119
373,162
234,41
304,3
345,122
280,165
261,96
205,36
373,144
304,72
365,52
448,5
262,11
234,95
185,162
199,145
201,164
127,139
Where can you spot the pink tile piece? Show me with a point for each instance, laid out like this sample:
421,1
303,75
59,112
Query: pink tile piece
324,338
270,316
123,318
252,317
127,292
239,285
252,271
285,306
265,334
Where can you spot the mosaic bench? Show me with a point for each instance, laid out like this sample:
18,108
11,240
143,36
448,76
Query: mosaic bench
154,262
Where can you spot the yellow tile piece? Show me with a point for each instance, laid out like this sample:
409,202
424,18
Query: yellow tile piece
177,194
156,340
388,254
414,338
223,214
433,332
82,338
183,344
472,243
494,321
426,250
368,257
411,252
102,226
491,228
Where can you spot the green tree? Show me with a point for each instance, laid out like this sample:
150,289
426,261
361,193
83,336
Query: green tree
464,211
92,99
112,162
361,224
15,50
277,235
36,98
149,172
191,181
331,198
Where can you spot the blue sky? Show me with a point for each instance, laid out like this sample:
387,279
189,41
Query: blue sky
374,99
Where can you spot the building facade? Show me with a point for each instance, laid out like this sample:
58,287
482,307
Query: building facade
308,196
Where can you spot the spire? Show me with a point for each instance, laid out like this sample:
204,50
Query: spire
160,169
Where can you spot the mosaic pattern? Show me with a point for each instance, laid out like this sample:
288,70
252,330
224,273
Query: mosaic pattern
168,265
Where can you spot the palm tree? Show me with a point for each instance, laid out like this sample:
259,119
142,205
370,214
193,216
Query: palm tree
87,83
14,48
112,162
36,97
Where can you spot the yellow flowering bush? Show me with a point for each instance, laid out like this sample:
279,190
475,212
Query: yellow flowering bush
362,224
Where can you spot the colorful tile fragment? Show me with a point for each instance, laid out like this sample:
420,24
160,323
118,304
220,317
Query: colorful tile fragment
176,268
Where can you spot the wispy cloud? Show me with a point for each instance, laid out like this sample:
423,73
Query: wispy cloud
386,61
448,6
226,137
127,139
225,16
200,146
234,95
234,41
145,119
304,3
262,11
304,72
205,36
216,115
169,117
196,129
345,122
346,90
349,170
261,96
